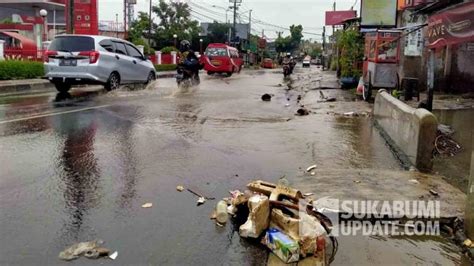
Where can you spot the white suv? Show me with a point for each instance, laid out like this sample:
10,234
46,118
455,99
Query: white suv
90,59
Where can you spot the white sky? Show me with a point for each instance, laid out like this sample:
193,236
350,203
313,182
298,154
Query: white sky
309,13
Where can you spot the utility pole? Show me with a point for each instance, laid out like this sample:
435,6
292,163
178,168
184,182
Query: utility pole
125,19
149,26
70,17
250,25
324,46
234,31
335,49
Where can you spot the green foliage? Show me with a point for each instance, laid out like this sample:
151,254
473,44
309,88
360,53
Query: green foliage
146,48
12,69
168,49
139,28
175,18
168,67
351,48
218,32
7,21
289,43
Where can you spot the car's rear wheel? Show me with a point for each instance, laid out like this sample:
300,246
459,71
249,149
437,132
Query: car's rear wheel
230,73
62,87
113,82
210,73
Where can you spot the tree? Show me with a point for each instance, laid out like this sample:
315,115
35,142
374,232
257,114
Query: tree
296,34
289,43
139,28
218,32
174,18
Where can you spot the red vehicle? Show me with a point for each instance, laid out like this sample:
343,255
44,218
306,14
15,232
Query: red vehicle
267,63
221,58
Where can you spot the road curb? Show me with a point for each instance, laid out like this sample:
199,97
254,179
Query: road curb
33,85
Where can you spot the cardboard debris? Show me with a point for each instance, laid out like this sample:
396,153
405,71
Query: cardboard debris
258,219
282,245
273,191
180,188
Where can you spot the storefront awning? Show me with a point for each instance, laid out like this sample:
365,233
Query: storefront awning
451,26
27,43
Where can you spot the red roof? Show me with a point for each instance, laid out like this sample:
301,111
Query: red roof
27,43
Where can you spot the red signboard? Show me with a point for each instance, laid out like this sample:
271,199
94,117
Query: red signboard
452,26
85,18
338,17
31,19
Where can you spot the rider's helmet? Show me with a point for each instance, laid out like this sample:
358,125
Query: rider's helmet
288,55
184,45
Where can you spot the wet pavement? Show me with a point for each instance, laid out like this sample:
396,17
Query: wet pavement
78,168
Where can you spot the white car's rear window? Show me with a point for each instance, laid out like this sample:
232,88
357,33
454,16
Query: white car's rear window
72,44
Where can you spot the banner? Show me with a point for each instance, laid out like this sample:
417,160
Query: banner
414,41
378,13
452,26
337,17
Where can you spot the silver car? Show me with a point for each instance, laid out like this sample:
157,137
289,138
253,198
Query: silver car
89,59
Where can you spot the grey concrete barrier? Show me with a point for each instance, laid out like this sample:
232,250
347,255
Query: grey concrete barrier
469,221
412,131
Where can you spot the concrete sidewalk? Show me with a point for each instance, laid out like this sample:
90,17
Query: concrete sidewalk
21,86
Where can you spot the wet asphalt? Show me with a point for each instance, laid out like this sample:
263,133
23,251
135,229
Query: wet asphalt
78,167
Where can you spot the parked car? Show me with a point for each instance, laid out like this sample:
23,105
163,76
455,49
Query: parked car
307,61
267,63
221,58
90,59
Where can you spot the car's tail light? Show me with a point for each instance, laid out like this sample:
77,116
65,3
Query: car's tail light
47,54
93,56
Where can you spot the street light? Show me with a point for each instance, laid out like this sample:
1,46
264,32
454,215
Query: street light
43,13
175,38
116,25
200,46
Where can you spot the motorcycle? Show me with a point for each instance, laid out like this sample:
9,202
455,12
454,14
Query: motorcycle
188,73
286,70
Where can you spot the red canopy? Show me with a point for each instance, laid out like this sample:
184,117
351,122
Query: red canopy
27,43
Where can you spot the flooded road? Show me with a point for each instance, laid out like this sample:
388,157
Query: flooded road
79,168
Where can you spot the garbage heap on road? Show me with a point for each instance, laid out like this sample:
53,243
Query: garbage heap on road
282,219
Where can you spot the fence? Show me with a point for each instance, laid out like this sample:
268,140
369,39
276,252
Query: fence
21,54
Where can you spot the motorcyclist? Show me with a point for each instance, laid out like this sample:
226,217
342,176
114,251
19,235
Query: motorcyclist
288,60
188,59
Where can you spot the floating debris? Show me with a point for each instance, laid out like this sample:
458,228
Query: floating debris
180,188
147,205
91,250
310,168
113,255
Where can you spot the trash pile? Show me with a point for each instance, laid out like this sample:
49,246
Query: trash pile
445,145
90,250
281,218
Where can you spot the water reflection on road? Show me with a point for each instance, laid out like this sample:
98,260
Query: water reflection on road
76,175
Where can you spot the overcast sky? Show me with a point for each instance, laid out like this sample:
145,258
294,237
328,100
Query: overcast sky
309,13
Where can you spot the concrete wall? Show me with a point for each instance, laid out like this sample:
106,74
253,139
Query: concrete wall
411,130
469,222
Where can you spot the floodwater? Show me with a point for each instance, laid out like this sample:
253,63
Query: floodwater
78,168
457,168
